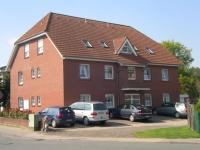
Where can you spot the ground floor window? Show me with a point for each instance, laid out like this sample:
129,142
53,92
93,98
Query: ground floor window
133,99
109,100
20,103
39,101
166,98
85,97
33,101
147,99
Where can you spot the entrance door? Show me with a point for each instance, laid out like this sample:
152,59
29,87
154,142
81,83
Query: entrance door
132,99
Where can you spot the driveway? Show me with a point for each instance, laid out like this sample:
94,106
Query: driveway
118,128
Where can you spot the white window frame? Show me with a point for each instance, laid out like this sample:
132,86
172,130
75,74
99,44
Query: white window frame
87,44
33,101
38,72
40,46
133,73
106,76
85,97
146,75
166,98
104,44
165,74
20,102
39,101
20,78
147,99
26,50
108,103
87,71
132,98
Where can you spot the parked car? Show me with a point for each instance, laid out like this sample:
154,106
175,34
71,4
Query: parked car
90,112
133,113
58,116
170,109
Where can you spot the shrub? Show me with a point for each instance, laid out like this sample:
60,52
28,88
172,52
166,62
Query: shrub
197,105
15,113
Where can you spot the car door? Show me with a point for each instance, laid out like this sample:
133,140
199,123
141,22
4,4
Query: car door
78,109
125,111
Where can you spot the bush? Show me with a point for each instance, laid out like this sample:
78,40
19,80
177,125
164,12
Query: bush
15,113
197,105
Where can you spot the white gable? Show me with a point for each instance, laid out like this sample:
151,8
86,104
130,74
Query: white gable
127,48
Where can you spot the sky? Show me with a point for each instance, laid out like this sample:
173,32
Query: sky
162,20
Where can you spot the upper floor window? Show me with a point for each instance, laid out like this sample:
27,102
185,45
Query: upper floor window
127,49
108,72
131,73
40,46
33,73
109,100
84,71
20,78
38,72
87,44
147,99
85,97
147,74
26,50
166,98
165,76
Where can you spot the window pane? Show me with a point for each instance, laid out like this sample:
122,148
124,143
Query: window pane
26,50
147,74
166,98
39,101
40,46
109,100
85,98
108,72
131,73
148,99
165,74
84,71
20,78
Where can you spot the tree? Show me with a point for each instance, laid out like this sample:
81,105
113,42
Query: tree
189,78
5,88
180,51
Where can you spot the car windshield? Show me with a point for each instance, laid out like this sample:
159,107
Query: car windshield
99,106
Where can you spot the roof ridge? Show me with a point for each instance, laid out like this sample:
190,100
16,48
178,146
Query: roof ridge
91,19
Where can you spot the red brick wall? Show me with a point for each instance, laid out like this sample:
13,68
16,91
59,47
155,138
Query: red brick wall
49,86
97,86
13,122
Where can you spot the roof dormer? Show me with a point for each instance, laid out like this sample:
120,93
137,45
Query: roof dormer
123,46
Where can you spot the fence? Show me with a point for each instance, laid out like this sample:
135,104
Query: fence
193,118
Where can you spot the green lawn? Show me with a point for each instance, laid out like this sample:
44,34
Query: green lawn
182,132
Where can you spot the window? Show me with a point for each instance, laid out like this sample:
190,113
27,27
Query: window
33,101
20,102
108,72
33,73
133,99
38,72
131,73
85,98
39,101
26,51
20,78
149,51
104,45
40,47
109,100
127,49
84,71
165,76
87,44
147,99
166,98
147,74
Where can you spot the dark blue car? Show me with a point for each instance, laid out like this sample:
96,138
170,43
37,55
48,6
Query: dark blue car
58,116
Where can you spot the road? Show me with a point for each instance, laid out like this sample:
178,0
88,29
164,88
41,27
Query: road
22,143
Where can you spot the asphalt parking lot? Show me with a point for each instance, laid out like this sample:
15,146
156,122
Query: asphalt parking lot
119,128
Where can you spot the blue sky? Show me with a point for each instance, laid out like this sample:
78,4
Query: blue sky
161,20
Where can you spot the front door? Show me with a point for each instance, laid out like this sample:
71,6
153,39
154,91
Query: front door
132,99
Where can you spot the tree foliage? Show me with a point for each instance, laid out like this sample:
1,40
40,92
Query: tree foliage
5,88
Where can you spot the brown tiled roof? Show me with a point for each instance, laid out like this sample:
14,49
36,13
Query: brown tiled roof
67,33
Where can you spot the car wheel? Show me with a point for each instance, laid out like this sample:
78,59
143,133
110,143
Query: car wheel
53,123
132,118
177,115
155,112
86,121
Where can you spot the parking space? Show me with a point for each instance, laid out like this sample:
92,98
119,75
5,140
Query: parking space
117,127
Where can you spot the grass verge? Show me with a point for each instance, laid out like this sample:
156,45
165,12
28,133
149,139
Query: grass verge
182,132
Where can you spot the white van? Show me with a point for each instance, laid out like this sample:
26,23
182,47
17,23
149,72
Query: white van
89,112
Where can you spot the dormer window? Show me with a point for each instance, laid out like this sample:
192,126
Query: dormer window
104,45
149,51
87,44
